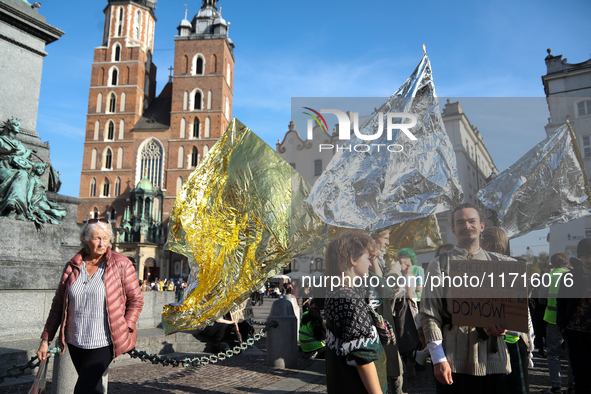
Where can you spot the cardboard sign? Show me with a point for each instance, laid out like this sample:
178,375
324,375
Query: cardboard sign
484,293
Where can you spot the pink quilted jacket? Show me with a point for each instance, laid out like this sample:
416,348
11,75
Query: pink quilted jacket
124,301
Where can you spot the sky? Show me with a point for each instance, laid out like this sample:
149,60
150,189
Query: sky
339,48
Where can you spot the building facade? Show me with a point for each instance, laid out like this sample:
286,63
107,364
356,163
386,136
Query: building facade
135,139
568,93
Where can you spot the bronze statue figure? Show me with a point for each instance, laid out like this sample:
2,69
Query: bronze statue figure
22,193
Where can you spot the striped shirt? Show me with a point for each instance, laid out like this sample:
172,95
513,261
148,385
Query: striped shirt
88,325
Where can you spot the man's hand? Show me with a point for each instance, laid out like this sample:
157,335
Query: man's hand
496,330
443,373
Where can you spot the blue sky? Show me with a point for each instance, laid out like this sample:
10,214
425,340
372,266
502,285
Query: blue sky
336,48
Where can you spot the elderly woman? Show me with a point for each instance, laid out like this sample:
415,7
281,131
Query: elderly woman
355,357
97,304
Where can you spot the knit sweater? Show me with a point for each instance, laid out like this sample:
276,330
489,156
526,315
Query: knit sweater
464,350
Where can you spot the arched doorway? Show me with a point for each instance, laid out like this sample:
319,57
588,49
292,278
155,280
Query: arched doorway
151,272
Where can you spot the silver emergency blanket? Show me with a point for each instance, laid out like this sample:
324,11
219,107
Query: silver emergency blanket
372,190
545,187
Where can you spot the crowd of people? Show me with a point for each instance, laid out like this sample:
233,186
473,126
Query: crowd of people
371,336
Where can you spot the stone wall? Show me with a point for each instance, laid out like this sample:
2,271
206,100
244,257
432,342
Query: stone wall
25,311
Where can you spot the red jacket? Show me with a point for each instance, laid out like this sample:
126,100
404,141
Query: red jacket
124,301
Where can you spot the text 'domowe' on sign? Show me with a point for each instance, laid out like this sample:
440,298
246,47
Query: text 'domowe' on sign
483,293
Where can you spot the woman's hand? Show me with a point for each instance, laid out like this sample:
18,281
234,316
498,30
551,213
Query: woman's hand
43,353
406,267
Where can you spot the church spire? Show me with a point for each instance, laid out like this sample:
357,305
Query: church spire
210,4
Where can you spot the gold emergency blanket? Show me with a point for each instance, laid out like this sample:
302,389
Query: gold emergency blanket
420,235
240,216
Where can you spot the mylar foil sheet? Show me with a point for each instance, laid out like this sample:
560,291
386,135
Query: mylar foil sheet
240,217
420,235
372,190
545,187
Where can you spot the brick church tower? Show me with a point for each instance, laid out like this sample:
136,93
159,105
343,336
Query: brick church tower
139,148
123,84
130,133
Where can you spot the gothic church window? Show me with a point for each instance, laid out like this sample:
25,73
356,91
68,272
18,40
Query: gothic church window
207,127
199,66
117,187
194,157
110,131
181,157
197,100
122,106
97,127
179,184
99,102
92,188
108,162
183,127
185,101
106,188
114,74
151,162
93,159
120,158
122,129
120,25
117,53
196,128
112,102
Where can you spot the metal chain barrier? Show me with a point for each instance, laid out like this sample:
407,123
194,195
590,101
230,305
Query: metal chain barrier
204,360
17,371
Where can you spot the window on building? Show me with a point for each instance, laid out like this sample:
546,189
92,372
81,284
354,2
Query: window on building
120,28
227,109
114,77
93,159
106,188
214,65
95,213
181,158
183,127
121,129
112,214
179,184
185,101
199,69
185,64
205,150
122,107
99,102
136,32
112,103
111,131
117,187
197,100
97,130
120,158
151,162
108,159
584,108
317,167
588,233
194,157
207,127
117,55
196,128
92,187
586,146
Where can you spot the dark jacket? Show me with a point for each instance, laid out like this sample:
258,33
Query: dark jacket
569,297
123,295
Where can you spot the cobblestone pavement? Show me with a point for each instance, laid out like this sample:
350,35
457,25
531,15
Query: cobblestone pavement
247,374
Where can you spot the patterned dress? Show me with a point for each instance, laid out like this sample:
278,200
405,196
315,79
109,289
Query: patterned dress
351,339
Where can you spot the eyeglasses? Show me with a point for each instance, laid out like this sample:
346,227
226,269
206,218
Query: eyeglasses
90,221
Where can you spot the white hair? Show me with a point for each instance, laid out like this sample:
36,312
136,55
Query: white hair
89,230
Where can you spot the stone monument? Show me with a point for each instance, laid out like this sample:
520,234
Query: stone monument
31,258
